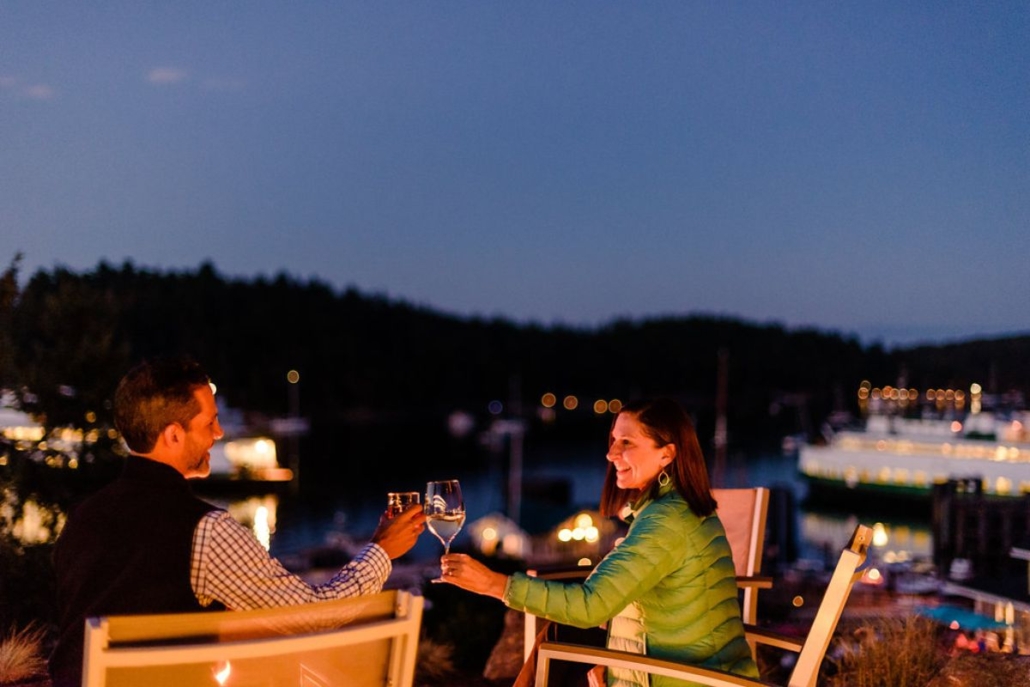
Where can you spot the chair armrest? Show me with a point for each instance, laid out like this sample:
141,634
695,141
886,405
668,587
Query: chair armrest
564,573
621,659
755,582
770,638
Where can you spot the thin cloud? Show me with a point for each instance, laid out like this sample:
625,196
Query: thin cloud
163,76
40,92
19,89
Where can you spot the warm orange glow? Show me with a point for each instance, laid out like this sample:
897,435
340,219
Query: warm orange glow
880,536
548,400
570,403
292,376
222,675
614,406
600,406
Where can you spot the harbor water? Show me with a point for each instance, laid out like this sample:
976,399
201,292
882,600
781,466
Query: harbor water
556,487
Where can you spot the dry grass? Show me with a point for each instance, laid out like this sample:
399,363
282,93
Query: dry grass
435,663
21,655
889,652
985,670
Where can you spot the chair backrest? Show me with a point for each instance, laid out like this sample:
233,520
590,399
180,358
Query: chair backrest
367,641
812,649
742,513
847,572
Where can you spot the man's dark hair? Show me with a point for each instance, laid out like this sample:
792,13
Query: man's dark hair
154,394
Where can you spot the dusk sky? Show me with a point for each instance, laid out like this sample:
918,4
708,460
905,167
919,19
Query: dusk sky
857,167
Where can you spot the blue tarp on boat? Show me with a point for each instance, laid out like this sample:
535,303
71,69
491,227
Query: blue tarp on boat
966,619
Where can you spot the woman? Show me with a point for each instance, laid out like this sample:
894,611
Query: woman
668,589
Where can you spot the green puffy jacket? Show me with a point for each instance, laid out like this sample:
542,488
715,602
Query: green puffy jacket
671,584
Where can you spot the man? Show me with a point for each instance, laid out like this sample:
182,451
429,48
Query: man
146,544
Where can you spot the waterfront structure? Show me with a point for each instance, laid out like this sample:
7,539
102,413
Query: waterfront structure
907,456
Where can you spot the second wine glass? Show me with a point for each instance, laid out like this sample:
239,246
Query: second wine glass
445,510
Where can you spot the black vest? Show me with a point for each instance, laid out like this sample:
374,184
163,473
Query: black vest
124,550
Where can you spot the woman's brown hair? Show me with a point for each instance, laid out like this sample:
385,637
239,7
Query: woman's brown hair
664,421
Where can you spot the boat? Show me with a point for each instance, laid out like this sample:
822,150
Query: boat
984,452
245,464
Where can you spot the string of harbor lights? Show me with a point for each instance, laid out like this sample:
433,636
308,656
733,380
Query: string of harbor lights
571,402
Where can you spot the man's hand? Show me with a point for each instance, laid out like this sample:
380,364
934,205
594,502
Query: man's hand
398,534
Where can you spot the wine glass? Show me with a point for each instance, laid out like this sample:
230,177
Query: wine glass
445,510
399,501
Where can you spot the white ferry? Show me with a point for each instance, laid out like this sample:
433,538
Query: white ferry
907,457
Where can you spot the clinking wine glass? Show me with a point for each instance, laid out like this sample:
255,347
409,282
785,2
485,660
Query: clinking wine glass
445,510
399,501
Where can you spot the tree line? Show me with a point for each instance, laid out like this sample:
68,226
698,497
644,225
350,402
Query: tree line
68,336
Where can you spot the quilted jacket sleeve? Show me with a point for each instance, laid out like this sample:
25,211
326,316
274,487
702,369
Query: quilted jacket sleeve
655,546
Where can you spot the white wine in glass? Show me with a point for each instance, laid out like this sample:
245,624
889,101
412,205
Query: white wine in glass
445,510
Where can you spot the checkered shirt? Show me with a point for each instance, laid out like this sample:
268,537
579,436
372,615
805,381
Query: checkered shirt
230,565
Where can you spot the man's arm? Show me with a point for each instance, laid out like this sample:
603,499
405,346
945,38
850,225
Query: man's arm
230,565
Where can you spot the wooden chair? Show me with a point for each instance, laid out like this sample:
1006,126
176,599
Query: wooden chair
811,650
743,514
368,641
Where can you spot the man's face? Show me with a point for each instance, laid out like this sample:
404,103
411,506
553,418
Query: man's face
202,433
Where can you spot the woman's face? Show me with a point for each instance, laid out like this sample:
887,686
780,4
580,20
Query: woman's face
634,455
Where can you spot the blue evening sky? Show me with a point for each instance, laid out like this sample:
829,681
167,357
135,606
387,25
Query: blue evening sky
860,167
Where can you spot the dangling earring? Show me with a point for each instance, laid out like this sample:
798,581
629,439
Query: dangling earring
663,478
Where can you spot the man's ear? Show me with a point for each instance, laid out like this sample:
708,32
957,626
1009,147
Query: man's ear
172,435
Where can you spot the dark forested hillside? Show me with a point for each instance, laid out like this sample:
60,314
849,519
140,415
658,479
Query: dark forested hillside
71,335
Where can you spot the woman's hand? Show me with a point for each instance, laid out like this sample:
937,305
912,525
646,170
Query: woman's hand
467,573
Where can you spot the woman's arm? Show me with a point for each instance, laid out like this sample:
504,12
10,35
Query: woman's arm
653,548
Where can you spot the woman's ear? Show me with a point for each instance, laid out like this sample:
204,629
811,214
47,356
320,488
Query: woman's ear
668,454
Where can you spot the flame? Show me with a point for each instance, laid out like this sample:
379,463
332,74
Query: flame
223,675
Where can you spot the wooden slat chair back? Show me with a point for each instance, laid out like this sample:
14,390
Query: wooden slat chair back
743,515
811,651
368,641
